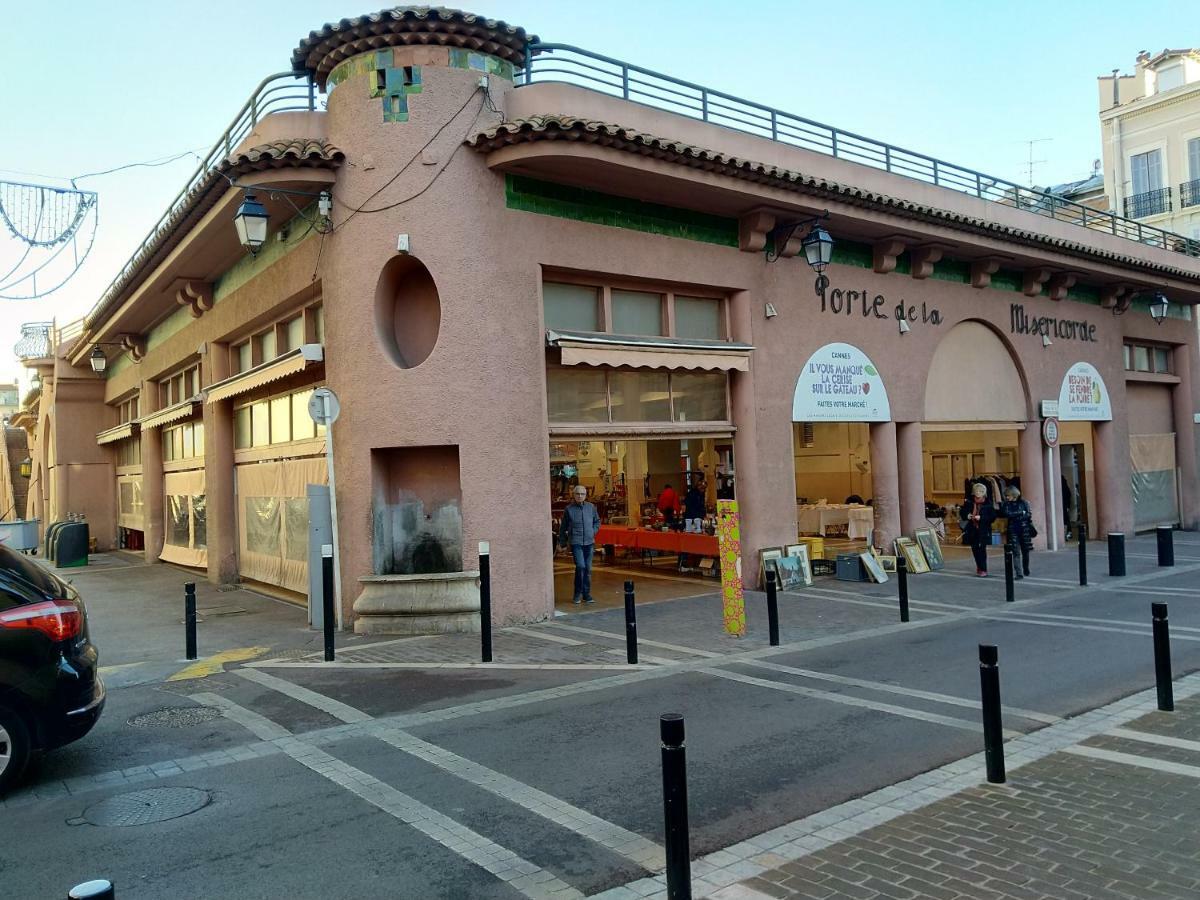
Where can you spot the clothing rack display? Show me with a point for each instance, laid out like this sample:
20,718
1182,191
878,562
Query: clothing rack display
996,483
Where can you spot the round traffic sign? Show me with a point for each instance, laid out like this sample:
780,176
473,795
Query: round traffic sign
1050,432
323,406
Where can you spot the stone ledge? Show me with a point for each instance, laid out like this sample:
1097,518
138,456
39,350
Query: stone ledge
439,603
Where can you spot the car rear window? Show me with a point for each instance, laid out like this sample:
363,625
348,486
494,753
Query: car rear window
18,566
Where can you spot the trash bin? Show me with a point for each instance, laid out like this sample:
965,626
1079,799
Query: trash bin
69,546
19,535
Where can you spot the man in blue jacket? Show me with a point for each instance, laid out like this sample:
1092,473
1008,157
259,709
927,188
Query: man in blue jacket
580,522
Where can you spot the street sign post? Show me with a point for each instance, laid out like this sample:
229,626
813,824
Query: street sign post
324,408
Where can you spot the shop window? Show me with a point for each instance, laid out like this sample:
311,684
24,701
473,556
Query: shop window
264,346
199,522
698,318
178,521
303,427
185,441
262,525
291,334
241,428
1147,358
260,425
637,312
640,396
128,411
242,358
576,396
699,397
571,307
129,452
179,387
280,419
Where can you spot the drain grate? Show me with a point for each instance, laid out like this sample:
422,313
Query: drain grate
147,807
175,717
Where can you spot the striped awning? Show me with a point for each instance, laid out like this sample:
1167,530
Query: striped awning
282,366
119,433
582,349
170,414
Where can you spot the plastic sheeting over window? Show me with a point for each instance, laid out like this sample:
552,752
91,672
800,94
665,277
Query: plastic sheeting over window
185,536
273,520
1155,497
130,506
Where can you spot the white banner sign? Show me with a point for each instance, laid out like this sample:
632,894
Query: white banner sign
1083,396
839,384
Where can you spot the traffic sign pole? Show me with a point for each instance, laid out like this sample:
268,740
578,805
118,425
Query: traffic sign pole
324,409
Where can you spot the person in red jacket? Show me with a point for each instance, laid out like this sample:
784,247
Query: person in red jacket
668,505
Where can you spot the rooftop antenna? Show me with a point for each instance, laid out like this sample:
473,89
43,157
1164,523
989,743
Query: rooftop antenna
1034,162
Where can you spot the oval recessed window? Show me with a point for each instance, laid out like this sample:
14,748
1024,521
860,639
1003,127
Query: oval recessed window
408,313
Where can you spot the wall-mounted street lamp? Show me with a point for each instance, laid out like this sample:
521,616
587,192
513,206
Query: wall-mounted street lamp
251,218
26,468
817,244
1159,306
98,360
35,383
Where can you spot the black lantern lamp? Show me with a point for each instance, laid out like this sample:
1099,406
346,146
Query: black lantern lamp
98,360
26,468
1158,307
251,223
35,383
818,248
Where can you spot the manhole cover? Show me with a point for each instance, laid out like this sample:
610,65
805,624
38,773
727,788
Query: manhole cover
175,717
147,807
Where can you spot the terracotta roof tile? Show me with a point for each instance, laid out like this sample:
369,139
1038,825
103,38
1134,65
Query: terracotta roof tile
298,154
403,25
606,134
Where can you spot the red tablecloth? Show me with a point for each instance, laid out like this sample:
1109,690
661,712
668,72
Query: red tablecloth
665,541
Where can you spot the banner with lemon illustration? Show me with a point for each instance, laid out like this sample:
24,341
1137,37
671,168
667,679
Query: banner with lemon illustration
1083,396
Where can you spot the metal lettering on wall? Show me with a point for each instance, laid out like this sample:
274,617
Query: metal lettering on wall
1020,322
847,303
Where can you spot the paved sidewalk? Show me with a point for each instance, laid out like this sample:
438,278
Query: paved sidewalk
1100,806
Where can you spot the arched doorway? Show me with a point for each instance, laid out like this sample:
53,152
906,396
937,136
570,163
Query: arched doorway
977,409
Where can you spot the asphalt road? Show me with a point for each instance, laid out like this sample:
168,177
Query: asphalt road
411,781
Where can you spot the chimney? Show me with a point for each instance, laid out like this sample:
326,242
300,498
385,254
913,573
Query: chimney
1116,87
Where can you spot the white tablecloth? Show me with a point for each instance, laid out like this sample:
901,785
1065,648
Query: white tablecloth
859,520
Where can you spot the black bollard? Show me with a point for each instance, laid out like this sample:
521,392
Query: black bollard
772,610
485,601
189,619
1009,587
99,889
675,807
1162,656
993,731
1166,545
1082,529
328,624
630,625
902,583
1116,554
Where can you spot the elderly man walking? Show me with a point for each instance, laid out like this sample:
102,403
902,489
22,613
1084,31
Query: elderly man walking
580,522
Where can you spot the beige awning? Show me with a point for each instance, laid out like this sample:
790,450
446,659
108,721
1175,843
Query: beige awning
119,433
282,366
170,414
580,349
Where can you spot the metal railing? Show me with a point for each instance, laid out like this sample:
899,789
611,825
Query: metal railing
34,342
573,65
281,92
1148,203
1189,194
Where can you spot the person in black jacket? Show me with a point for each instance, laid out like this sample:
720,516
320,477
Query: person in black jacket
1020,527
976,519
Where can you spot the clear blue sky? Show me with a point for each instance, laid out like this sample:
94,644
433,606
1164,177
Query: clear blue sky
97,85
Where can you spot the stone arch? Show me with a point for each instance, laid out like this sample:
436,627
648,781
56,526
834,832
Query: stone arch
974,376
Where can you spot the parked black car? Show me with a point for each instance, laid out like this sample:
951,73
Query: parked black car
50,687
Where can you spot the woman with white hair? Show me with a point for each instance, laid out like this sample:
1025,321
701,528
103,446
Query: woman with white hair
976,517
1020,527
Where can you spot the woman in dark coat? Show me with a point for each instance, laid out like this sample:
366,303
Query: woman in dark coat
976,518
1020,527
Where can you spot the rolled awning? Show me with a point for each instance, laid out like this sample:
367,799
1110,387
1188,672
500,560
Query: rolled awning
170,414
581,349
119,433
282,366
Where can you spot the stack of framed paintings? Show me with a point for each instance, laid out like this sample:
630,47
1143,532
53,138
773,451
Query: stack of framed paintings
873,567
928,541
790,565
914,557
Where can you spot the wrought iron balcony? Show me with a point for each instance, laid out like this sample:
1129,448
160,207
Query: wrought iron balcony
35,341
1148,203
566,64
1189,193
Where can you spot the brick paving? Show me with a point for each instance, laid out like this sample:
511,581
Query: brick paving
1064,827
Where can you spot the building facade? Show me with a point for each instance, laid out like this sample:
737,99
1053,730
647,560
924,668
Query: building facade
531,275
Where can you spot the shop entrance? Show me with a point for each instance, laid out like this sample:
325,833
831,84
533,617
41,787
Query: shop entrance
1073,459
834,490
652,531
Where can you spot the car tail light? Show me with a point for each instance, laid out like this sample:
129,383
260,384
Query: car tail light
59,620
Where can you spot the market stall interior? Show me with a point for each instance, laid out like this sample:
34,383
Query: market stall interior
639,489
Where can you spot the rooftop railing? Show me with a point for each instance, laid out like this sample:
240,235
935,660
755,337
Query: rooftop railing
573,65
34,342
282,92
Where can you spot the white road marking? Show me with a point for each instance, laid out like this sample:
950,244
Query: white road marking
881,602
1174,628
542,635
1147,737
328,705
1051,624
553,667
948,699
531,880
691,651
1142,762
848,700
643,658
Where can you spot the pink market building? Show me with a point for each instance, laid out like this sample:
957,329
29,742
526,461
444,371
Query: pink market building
535,266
